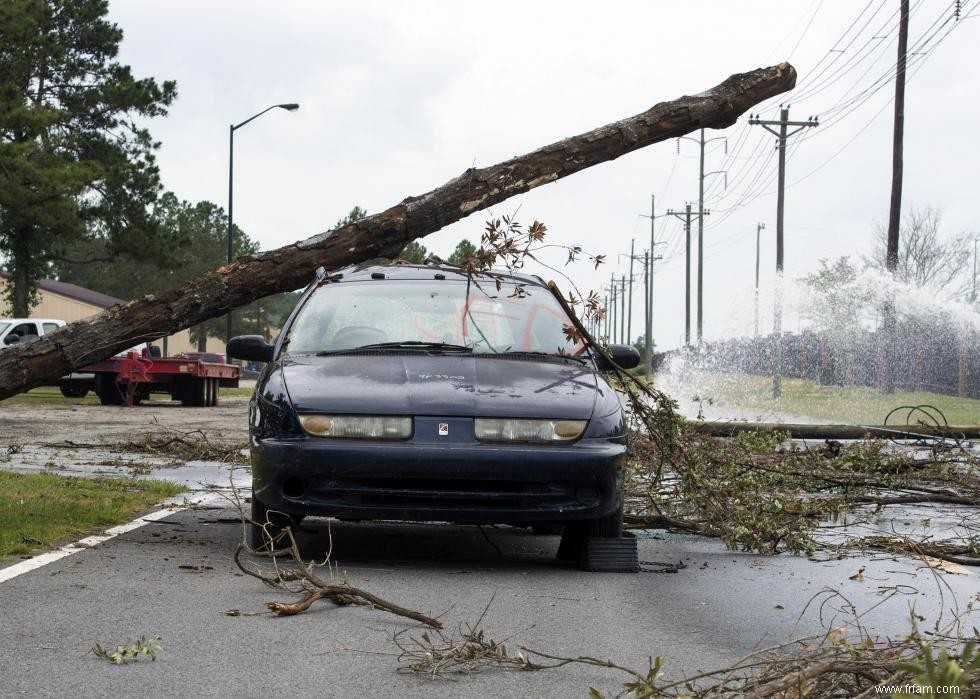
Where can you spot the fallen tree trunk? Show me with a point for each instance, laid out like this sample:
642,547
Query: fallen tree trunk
381,235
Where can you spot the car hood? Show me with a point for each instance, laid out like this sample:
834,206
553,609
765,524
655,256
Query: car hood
442,385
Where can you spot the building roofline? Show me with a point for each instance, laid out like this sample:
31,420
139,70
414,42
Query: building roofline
75,292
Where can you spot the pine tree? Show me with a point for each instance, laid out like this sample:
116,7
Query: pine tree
75,164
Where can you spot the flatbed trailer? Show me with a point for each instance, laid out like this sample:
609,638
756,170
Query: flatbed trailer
130,378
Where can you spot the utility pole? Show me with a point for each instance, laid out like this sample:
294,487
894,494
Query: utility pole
648,267
648,331
612,309
646,261
605,316
629,313
687,278
701,214
686,218
622,308
782,134
886,378
759,227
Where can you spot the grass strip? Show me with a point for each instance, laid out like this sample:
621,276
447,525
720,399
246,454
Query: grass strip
37,510
51,396
856,405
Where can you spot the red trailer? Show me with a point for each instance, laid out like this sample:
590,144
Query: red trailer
130,378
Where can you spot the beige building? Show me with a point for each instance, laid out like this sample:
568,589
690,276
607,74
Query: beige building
70,302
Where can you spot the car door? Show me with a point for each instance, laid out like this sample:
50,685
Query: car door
26,331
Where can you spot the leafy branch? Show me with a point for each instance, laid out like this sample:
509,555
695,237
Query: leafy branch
129,651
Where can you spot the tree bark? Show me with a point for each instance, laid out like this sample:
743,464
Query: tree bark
382,235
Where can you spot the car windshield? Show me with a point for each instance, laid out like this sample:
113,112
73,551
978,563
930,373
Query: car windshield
432,313
3,326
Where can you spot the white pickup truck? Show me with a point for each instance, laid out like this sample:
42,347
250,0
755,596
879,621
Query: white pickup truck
17,330
13,330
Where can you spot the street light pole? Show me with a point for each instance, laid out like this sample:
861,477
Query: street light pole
289,107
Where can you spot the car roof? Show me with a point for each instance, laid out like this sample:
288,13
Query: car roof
430,271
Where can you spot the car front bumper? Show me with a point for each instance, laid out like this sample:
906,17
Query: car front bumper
474,482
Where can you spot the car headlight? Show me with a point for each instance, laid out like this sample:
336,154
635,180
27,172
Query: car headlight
357,426
489,429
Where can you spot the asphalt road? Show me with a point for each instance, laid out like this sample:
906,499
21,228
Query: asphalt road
175,578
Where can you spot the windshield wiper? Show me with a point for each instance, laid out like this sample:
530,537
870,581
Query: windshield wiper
545,355
404,344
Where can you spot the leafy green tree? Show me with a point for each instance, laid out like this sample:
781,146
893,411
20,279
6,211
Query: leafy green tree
414,252
355,214
265,316
464,249
74,161
198,235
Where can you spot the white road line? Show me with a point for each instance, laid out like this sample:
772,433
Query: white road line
43,559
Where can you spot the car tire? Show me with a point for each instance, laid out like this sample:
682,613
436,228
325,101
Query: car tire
572,546
608,527
266,525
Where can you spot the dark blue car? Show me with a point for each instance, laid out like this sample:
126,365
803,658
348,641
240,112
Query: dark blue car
420,393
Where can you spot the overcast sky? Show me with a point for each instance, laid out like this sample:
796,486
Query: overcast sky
397,98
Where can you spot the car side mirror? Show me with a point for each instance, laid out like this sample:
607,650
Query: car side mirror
11,339
625,357
251,348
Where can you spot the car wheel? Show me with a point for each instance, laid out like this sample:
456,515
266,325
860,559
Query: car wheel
608,527
266,525
572,546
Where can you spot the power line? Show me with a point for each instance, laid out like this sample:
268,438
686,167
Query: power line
757,188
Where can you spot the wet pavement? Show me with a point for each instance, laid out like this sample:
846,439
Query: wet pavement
107,461
175,578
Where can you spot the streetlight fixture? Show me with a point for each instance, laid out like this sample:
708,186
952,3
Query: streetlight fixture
289,107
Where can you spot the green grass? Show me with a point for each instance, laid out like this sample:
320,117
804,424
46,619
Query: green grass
856,405
241,392
51,396
47,508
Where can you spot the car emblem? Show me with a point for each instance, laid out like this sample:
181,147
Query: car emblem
443,429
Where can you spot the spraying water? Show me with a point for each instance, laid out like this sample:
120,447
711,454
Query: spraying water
834,362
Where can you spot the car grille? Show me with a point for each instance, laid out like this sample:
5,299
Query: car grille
448,493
